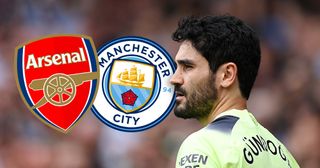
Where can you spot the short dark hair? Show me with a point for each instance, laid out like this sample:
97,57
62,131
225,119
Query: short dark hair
222,39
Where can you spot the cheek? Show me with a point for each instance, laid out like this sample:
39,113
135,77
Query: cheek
195,79
202,86
192,88
198,80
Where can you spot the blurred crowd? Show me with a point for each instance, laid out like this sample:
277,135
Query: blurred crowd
285,98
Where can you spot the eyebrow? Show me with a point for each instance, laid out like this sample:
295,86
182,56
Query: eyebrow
185,62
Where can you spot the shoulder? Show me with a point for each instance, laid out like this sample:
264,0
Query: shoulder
195,151
217,133
224,124
212,146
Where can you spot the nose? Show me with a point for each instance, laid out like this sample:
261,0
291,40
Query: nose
176,78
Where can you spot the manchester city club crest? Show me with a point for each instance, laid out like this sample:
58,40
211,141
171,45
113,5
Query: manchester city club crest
57,77
134,93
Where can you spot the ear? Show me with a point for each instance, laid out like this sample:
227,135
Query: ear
228,72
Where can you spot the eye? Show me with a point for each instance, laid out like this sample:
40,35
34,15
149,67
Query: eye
187,67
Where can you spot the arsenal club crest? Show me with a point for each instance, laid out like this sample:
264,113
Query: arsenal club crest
134,93
57,77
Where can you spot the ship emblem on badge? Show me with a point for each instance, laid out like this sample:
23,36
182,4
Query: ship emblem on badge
57,78
134,93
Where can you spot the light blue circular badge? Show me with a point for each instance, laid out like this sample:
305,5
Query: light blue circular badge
134,92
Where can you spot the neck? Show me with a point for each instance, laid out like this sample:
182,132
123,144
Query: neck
222,105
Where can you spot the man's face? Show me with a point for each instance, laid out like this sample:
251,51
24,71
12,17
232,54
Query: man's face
194,84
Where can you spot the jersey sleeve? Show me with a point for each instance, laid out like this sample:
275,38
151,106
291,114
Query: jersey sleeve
194,153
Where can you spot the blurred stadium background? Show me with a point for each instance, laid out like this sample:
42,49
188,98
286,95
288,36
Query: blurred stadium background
285,99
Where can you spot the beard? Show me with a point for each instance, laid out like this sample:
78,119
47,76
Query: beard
200,99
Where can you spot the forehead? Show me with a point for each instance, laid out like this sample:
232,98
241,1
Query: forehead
188,52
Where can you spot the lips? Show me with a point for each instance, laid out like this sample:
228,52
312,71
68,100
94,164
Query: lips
178,93
179,96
